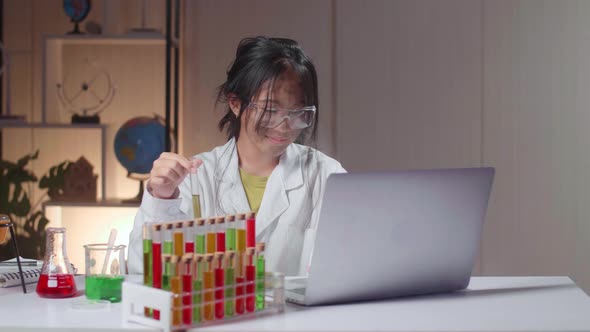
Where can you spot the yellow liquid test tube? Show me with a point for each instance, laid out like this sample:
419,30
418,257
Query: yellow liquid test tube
176,288
179,239
211,234
208,286
196,194
240,225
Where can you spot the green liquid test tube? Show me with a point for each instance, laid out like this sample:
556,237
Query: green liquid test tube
230,233
168,247
197,288
260,276
168,272
147,263
200,236
229,283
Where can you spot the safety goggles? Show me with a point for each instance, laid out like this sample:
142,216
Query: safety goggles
299,118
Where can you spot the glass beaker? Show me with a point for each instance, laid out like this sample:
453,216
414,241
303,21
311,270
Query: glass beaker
57,275
105,270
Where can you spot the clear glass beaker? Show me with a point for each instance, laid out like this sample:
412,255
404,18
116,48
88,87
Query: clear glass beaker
105,271
57,275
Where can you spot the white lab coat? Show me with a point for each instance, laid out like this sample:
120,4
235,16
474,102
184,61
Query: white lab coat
288,215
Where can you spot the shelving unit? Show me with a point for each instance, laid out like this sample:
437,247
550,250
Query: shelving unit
102,128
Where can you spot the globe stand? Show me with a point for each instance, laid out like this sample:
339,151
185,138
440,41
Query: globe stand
139,196
85,119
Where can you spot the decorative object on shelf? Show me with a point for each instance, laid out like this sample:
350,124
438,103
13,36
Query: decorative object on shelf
143,19
6,117
77,10
138,143
93,28
87,99
15,201
72,182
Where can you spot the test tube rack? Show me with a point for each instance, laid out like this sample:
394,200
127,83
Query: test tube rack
136,297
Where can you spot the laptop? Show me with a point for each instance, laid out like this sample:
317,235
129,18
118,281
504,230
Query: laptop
392,234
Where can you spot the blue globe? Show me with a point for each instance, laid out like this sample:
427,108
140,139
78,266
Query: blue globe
139,142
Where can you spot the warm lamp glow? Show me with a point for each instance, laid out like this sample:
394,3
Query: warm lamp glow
90,224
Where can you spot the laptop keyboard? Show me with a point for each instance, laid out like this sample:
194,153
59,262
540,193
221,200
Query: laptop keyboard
300,291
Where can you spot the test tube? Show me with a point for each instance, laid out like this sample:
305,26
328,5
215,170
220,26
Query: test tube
210,240
200,236
230,232
179,239
189,237
220,230
240,243
260,276
168,272
147,262
250,230
176,288
219,285
186,271
196,194
157,261
229,265
167,237
241,232
197,275
208,285
250,279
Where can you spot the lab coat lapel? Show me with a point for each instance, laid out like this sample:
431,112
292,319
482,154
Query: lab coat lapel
286,176
233,197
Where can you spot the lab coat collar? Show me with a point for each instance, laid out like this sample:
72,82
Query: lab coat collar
288,175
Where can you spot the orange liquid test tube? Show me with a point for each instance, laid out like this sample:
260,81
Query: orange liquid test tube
176,288
179,239
211,234
208,286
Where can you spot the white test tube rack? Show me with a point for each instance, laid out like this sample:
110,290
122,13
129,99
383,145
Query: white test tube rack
136,297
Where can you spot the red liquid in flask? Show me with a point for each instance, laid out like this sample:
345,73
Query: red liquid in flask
56,286
57,274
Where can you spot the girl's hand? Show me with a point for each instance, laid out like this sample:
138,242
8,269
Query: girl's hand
168,172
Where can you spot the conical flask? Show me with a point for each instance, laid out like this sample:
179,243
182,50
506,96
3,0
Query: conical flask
57,275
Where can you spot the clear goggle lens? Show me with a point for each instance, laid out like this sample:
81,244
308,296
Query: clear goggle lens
296,118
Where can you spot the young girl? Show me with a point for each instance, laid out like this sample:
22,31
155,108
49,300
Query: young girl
272,97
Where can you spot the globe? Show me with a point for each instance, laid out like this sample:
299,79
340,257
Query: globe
139,142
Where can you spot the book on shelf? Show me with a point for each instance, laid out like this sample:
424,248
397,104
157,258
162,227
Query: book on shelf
12,119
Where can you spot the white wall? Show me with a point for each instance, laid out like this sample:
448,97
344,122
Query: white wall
212,32
456,83
536,119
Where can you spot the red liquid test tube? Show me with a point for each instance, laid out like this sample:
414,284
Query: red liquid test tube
250,230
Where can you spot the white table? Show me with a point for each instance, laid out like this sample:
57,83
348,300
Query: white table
489,304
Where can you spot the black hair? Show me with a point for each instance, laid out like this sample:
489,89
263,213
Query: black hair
260,60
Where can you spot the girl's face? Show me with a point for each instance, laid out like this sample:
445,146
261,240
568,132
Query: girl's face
285,94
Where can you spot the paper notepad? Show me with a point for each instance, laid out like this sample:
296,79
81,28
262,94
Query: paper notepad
9,275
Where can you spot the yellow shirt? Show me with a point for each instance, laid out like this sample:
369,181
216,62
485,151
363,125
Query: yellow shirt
254,187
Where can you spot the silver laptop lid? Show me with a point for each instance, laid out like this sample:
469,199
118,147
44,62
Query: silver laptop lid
397,233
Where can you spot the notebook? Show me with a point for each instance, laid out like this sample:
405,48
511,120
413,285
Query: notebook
10,277
391,234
